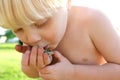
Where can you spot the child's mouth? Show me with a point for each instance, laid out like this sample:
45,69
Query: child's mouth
46,47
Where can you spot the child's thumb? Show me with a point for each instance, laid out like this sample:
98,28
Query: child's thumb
21,49
58,56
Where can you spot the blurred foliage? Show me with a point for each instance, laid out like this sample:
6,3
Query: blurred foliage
9,34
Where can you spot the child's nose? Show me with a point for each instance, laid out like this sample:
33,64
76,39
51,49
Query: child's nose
33,38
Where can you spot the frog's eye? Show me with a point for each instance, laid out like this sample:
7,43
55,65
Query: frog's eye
48,51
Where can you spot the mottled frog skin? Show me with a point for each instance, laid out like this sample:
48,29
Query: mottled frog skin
49,52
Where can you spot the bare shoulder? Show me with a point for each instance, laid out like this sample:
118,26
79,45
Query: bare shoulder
101,32
88,16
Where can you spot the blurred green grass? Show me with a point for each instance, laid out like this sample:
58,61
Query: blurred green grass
10,63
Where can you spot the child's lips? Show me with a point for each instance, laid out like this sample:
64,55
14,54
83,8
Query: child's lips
46,47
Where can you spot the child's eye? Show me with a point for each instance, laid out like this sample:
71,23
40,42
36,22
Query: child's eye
41,23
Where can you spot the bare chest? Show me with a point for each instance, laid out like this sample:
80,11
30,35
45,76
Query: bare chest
79,49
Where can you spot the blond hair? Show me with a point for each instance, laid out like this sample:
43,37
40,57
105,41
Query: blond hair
15,13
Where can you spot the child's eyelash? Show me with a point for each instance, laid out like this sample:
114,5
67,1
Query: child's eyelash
39,24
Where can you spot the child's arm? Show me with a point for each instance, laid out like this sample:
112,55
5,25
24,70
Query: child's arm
107,42
64,70
105,38
108,71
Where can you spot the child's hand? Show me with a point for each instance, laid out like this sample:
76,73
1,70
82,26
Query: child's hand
63,70
34,59
26,68
29,71
38,58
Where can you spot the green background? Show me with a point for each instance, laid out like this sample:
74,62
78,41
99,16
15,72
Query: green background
10,63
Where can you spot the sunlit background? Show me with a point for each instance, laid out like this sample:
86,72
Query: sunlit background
10,59
111,8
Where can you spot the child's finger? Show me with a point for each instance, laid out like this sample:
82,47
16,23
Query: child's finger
47,58
33,56
40,62
58,56
25,58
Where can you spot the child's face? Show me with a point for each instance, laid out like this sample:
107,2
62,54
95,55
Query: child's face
47,32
